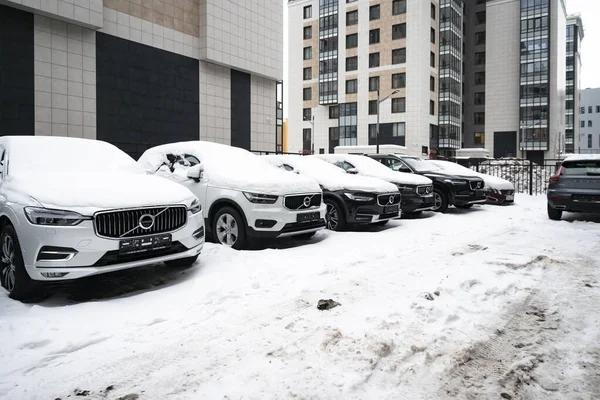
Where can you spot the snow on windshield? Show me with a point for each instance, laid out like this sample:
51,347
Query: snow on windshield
420,165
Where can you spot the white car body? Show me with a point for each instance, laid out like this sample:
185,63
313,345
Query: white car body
232,177
60,193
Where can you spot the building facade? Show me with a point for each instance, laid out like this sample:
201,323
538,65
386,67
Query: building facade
139,73
343,55
589,122
573,99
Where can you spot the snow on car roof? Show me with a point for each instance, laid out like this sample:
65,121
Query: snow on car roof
330,176
582,157
231,167
369,167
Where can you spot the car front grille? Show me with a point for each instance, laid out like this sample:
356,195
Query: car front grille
424,190
474,185
127,223
303,201
389,199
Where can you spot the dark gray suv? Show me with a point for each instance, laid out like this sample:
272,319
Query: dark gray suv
575,187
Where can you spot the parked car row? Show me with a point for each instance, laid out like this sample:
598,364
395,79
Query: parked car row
71,208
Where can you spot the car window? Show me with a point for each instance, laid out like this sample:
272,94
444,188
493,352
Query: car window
3,165
191,160
397,165
583,167
344,165
286,167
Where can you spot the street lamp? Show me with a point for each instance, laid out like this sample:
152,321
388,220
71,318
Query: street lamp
379,102
312,122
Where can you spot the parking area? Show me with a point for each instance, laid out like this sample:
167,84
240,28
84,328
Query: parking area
489,302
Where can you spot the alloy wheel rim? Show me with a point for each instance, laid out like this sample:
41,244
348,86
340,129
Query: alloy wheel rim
8,264
227,230
332,217
437,201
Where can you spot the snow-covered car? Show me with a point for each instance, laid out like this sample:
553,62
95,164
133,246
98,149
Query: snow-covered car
70,208
350,199
416,190
497,190
244,198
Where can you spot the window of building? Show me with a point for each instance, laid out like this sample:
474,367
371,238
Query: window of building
480,38
373,60
598,109
590,109
372,107
399,105
582,124
352,41
374,36
480,78
399,129
398,7
432,84
373,83
306,114
582,110
432,59
308,32
352,18
479,98
589,141
399,56
479,138
307,53
351,86
399,80
372,131
334,133
374,12
431,107
479,118
334,112
480,17
399,31
306,134
589,124
352,63
432,35
432,11
307,12
480,58
307,94
307,73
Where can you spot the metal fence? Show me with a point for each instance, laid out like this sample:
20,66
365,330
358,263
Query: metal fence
527,176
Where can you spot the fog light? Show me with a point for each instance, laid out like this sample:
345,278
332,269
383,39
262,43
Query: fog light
199,233
50,253
265,223
54,274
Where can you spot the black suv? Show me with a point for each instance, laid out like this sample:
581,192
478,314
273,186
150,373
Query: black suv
448,189
575,187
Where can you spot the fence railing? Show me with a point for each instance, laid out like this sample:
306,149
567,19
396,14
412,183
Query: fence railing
527,176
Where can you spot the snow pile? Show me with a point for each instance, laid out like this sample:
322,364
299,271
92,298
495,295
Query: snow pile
330,176
230,167
368,167
491,181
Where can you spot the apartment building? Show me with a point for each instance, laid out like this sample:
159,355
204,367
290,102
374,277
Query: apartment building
589,123
573,99
139,73
351,62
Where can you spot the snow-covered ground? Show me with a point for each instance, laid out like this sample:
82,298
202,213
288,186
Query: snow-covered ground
490,303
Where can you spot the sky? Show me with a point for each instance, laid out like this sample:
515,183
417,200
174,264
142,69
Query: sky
590,56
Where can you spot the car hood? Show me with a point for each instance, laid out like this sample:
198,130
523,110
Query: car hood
88,193
343,181
444,175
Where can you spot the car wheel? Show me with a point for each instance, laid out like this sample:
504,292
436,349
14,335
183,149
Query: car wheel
465,206
440,201
229,228
334,216
182,262
553,214
15,278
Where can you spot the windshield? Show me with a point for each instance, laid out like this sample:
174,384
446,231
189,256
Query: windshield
584,167
420,165
453,167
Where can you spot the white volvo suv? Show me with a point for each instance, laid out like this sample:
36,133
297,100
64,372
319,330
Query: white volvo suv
244,197
70,208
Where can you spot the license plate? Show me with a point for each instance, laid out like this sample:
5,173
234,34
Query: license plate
140,245
307,217
510,197
390,209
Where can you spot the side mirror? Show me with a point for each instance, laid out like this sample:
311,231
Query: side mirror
196,172
352,171
405,170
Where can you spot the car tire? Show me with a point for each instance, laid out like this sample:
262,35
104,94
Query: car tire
554,215
441,201
15,278
381,223
464,206
182,262
305,236
334,217
229,218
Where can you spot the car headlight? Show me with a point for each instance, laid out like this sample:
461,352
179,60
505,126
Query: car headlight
46,216
195,207
405,189
260,198
359,197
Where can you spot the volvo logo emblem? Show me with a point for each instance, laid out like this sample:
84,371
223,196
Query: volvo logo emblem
306,202
391,200
146,221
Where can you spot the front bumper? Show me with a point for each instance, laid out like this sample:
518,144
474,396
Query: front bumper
584,203
369,214
414,202
94,255
469,197
285,222
500,197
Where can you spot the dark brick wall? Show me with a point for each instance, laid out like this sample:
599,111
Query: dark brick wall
17,98
240,109
385,136
145,96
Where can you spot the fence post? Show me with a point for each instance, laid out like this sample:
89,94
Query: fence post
530,178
